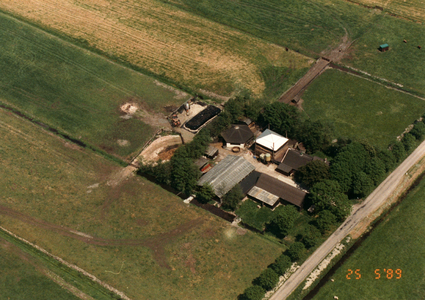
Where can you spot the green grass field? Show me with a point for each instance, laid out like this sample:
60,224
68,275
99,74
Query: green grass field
396,243
75,91
361,109
145,241
23,279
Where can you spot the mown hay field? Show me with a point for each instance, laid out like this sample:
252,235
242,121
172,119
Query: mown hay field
413,9
23,279
136,236
190,51
396,243
76,91
360,109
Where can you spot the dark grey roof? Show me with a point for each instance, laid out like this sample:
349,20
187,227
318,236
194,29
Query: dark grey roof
237,134
200,162
280,189
249,181
226,174
294,160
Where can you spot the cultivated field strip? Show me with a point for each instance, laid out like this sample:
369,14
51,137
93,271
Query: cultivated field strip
163,40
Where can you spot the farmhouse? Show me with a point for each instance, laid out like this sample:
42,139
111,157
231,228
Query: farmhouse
237,136
272,143
293,160
271,191
226,174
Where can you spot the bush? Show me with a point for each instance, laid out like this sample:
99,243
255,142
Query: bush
267,280
295,251
254,292
362,184
387,157
398,151
282,263
408,142
418,131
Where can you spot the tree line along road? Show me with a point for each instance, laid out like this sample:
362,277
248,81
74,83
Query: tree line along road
376,199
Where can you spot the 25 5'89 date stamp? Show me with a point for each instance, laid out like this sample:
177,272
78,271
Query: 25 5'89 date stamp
379,273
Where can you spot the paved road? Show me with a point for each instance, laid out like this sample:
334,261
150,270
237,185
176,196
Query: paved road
301,84
370,204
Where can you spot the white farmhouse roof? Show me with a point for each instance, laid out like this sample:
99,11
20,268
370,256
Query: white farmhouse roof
271,140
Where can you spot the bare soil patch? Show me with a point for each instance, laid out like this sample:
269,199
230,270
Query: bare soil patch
162,148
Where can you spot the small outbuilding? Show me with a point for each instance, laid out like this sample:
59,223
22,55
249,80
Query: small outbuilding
270,142
271,191
384,47
293,160
237,136
211,152
226,174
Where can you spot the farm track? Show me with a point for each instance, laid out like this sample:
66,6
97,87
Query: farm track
156,243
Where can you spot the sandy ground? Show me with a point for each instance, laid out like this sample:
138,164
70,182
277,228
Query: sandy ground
153,151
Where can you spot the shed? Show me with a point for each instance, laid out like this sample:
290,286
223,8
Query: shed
226,174
384,47
211,152
269,190
237,136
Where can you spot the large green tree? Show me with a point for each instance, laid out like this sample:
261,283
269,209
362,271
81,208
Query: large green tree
375,169
295,251
233,197
205,193
283,221
398,151
328,195
310,236
254,292
418,131
387,157
267,279
408,142
325,220
282,118
315,135
281,265
312,173
362,184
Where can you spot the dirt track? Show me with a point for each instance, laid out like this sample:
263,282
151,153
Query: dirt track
366,211
156,243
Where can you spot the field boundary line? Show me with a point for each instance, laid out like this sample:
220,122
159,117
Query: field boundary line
371,79
69,265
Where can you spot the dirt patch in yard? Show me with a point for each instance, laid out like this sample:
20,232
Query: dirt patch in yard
162,148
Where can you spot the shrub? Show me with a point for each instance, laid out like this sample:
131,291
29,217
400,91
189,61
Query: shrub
283,221
325,221
418,131
312,173
205,193
310,236
408,142
233,197
398,151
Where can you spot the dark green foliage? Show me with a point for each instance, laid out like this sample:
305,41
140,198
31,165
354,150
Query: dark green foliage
375,168
161,171
408,142
220,123
233,197
387,157
350,160
295,251
197,147
362,184
205,193
253,109
327,195
282,263
326,220
312,173
282,118
398,151
418,131
254,292
315,135
235,108
267,279
310,236
283,221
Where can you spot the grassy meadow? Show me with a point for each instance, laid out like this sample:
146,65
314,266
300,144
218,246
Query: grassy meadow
179,47
75,91
136,236
396,243
361,109
23,279
413,9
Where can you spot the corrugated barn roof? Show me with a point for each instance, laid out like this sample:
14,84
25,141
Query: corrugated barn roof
226,174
